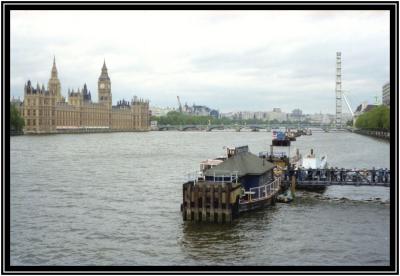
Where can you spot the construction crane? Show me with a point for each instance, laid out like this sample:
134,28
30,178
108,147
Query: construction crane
180,105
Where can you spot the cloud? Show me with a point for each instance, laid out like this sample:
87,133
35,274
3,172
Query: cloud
230,60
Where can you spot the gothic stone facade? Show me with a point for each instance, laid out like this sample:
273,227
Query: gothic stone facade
47,111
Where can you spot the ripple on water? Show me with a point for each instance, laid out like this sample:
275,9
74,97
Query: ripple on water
113,199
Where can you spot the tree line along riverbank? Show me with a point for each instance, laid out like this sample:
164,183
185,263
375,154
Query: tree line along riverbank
375,123
17,123
177,118
377,119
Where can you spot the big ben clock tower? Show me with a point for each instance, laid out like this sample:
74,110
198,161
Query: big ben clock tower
104,87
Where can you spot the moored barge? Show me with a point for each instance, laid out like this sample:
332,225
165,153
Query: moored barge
227,186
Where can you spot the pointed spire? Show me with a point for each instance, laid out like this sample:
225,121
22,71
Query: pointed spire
54,69
104,68
104,73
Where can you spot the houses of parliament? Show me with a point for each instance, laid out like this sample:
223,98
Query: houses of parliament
47,111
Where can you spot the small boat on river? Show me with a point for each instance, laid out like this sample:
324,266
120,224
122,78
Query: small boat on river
279,153
311,161
227,186
312,168
285,197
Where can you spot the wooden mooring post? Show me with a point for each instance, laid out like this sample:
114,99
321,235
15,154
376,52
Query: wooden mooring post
293,186
196,202
219,210
203,203
212,203
228,209
207,202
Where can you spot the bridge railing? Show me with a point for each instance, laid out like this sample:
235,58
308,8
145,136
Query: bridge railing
338,176
251,126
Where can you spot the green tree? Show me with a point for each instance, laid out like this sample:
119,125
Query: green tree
16,121
386,119
378,119
177,118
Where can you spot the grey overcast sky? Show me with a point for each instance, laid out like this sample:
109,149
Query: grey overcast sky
228,60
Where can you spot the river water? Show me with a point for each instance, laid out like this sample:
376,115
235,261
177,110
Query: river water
114,199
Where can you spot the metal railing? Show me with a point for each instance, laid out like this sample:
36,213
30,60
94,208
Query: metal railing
195,176
339,176
264,191
268,154
229,177
225,177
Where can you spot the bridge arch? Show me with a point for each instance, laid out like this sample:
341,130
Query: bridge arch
190,128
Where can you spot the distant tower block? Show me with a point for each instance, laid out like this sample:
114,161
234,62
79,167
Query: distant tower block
338,118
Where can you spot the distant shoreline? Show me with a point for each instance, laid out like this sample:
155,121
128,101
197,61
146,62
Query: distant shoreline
374,133
75,131
16,133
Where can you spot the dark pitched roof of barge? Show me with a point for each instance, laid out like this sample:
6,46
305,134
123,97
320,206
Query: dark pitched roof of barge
245,163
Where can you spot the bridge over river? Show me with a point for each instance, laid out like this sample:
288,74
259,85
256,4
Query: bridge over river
253,127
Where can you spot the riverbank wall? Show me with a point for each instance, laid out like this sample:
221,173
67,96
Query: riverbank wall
78,131
16,133
374,133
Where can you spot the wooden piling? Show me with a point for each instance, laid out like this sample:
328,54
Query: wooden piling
203,198
185,201
228,210
219,210
212,203
196,202
207,202
293,186
189,202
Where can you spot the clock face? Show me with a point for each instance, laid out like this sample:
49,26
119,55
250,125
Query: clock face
102,85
